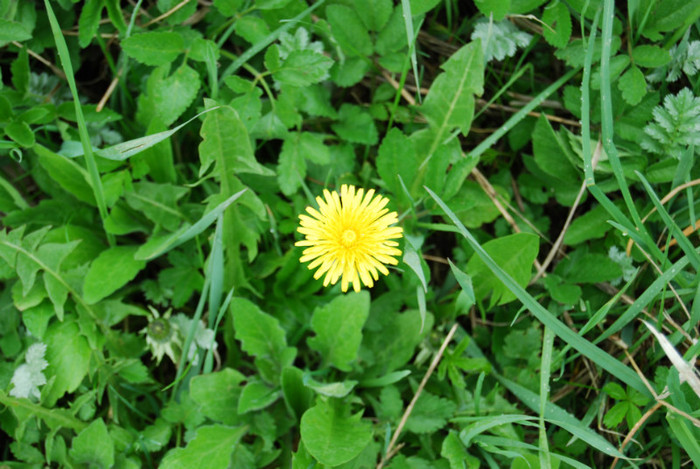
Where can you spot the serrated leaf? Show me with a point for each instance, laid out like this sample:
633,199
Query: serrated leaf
499,40
430,413
450,100
331,435
68,354
557,28
13,31
497,8
173,95
356,125
226,141
297,147
397,158
154,48
650,56
217,394
633,85
260,334
348,30
20,132
89,21
211,448
303,68
338,327
110,271
93,446
515,254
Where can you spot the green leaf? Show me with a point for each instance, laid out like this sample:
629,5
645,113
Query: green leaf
430,413
68,354
615,391
450,101
633,85
497,8
515,254
303,68
348,30
255,396
338,327
228,7
211,448
331,435
225,140
650,56
154,48
111,270
374,13
338,389
585,267
550,154
616,414
356,125
252,28
465,282
158,202
174,94
296,149
13,31
67,173
260,334
93,446
297,396
557,27
161,245
20,132
591,225
217,394
89,21
454,451
397,158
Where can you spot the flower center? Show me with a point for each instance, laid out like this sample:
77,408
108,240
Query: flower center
348,237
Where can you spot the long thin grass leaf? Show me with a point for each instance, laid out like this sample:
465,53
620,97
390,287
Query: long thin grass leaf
95,180
598,356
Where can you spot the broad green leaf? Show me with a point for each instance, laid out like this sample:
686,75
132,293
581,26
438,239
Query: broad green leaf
454,451
255,396
302,68
296,149
20,132
557,24
111,270
89,21
297,396
67,173
397,158
686,434
650,56
430,413
418,7
260,334
154,48
473,206
228,7
332,435
270,4
515,254
174,94
93,446
252,28
356,125
450,100
339,389
225,140
633,85
68,354
497,8
13,31
348,30
211,448
338,327
585,267
591,225
158,202
374,13
550,154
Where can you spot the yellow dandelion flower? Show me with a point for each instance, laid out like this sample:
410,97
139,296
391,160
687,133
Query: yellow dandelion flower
349,237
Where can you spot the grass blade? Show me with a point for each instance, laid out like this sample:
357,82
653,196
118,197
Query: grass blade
595,354
95,180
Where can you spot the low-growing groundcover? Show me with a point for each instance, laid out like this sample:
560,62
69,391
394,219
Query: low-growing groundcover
181,288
